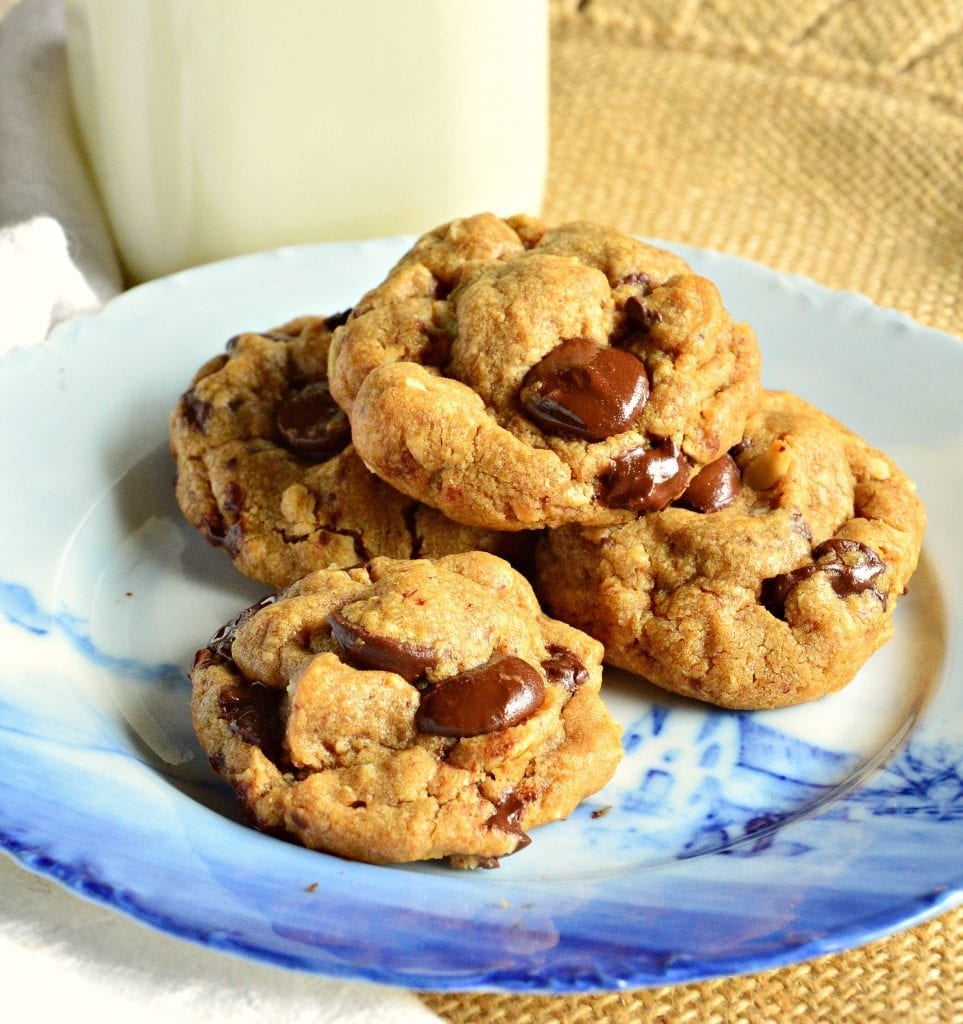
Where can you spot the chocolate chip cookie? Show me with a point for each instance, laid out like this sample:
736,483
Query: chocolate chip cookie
517,377
266,471
406,710
771,579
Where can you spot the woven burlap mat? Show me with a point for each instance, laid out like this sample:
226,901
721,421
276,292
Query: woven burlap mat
822,138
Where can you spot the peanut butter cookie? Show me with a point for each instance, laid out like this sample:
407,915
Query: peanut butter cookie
406,710
517,377
769,583
266,471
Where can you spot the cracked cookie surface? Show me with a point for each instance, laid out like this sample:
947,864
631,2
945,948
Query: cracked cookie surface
775,595
515,376
266,471
406,710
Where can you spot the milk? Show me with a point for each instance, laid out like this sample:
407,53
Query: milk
217,127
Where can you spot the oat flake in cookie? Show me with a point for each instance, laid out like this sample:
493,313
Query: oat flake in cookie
768,583
266,471
406,710
516,377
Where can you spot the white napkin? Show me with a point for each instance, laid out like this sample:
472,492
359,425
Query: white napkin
61,955
42,168
39,283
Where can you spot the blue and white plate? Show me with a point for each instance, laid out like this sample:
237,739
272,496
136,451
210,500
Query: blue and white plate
726,842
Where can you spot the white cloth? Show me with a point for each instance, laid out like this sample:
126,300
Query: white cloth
42,167
39,283
63,957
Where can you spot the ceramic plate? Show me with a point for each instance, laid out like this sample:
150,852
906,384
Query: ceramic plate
729,842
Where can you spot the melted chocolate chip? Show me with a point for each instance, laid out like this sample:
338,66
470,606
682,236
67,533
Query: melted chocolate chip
436,350
646,479
497,695
368,650
641,315
195,410
637,277
233,498
586,390
714,487
775,590
336,319
507,818
311,424
740,447
219,646
233,539
563,668
855,575
213,528
253,712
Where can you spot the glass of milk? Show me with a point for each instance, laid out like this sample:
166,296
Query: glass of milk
216,127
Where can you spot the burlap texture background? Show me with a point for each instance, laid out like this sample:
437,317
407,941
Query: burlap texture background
823,138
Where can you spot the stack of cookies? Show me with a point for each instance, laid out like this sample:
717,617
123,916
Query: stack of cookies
525,452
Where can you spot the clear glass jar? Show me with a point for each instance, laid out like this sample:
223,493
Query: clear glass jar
216,127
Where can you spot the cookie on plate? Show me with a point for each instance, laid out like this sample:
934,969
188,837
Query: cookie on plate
771,581
266,470
406,710
517,377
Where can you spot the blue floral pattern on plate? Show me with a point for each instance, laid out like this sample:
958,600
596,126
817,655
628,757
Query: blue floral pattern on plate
725,843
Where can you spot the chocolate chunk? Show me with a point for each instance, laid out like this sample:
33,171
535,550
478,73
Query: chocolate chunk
855,575
213,528
507,818
637,277
497,695
854,567
741,447
233,539
219,646
775,590
253,712
195,410
311,424
563,668
368,650
714,487
646,479
641,315
337,319
436,348
586,390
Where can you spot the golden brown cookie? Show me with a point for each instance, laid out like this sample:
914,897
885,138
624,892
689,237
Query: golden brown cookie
406,710
266,471
517,377
772,587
